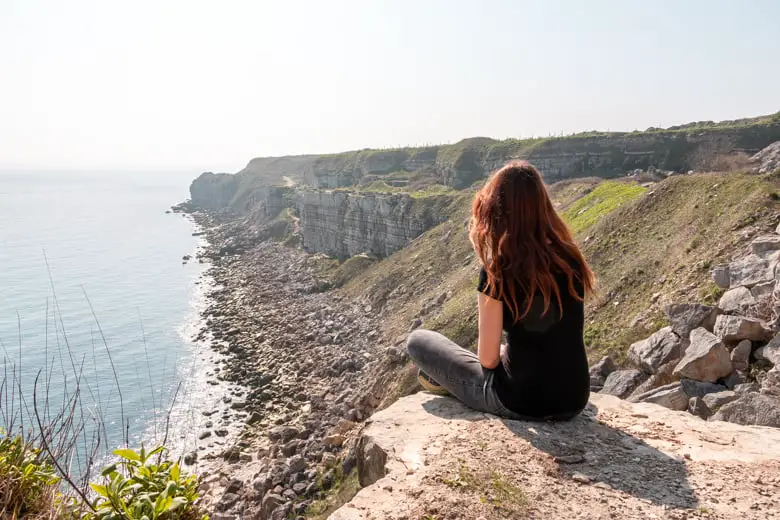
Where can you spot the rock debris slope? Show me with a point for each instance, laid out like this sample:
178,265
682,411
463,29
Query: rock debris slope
720,362
430,457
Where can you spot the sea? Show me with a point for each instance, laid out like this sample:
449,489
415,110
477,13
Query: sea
98,308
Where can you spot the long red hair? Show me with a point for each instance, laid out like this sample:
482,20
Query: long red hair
522,241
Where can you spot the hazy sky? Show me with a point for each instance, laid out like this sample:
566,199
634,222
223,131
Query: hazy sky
209,84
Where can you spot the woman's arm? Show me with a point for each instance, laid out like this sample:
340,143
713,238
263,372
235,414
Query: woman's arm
491,322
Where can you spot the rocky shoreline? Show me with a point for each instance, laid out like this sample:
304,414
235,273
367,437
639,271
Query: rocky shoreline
294,358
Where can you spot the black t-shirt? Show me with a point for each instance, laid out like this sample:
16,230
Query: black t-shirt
545,370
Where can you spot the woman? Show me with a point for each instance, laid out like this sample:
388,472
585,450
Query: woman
532,284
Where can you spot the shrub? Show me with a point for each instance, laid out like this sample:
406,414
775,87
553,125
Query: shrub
28,483
144,486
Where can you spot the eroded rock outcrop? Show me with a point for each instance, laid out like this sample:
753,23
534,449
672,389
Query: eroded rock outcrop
617,460
707,352
344,224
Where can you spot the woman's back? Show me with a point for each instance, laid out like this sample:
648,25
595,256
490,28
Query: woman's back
545,369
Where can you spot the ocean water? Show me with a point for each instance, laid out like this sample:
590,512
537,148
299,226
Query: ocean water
115,308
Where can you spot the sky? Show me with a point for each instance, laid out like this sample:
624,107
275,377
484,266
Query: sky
207,85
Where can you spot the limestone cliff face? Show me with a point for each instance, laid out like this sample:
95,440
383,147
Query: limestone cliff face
344,224
604,154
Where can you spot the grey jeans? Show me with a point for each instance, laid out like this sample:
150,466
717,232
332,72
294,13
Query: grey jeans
458,370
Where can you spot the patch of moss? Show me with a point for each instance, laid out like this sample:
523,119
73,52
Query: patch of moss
600,202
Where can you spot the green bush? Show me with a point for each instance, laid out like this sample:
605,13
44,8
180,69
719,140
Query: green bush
28,483
144,486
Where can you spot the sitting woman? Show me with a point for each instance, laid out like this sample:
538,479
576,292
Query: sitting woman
532,284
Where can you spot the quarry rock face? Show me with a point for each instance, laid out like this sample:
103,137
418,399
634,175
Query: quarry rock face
615,460
343,224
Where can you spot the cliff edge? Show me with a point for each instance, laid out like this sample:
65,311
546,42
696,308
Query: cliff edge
430,457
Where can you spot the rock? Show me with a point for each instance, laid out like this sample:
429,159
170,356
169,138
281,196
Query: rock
746,388
416,323
770,352
227,501
705,359
750,271
621,383
676,396
763,290
751,409
740,355
270,502
660,348
765,244
734,379
300,488
281,512
771,383
628,448
234,486
296,464
290,448
670,396
333,440
283,433
736,300
697,407
371,460
699,388
684,317
191,458
737,328
662,377
603,367
204,435
720,275
717,399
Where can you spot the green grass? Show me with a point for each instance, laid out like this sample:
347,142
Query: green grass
601,201
492,487
344,488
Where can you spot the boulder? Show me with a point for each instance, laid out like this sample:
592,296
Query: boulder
750,271
751,409
771,383
662,347
720,275
271,501
663,377
737,328
697,407
671,396
770,352
746,388
763,290
765,244
740,355
684,317
371,460
700,388
717,399
706,359
736,300
604,367
621,383
734,379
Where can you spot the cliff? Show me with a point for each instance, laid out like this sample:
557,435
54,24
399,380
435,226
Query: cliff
431,457
343,224
697,146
